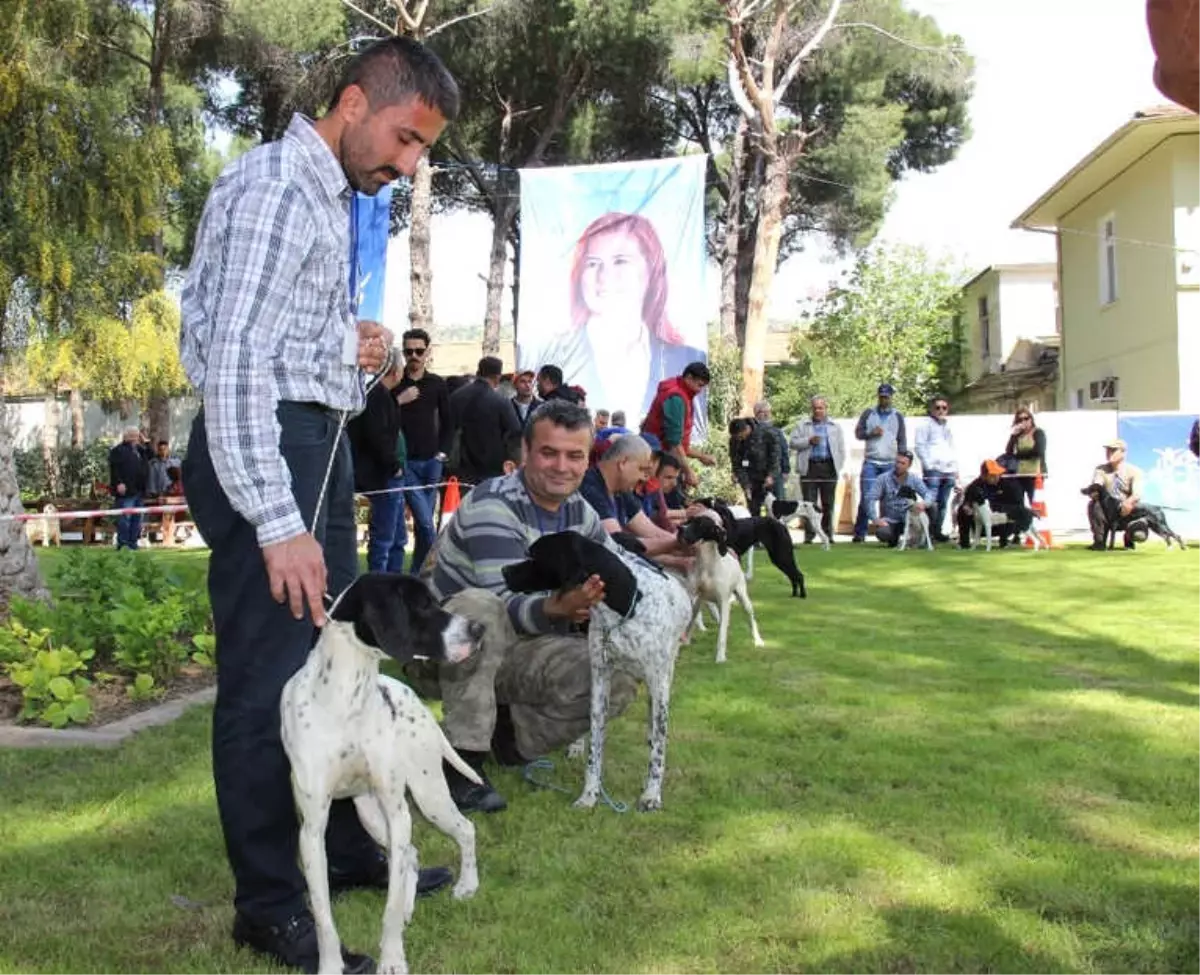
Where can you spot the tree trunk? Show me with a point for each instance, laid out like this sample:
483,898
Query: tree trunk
516,280
78,432
420,309
743,274
502,217
50,440
766,253
157,419
733,225
19,574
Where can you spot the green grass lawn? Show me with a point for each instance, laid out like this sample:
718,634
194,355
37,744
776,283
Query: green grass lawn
940,762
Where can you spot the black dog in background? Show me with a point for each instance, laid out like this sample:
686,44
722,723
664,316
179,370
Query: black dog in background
1149,515
741,534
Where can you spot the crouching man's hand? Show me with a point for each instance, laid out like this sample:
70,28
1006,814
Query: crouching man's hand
576,604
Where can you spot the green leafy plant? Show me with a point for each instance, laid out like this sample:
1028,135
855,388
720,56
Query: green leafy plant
143,688
205,653
146,633
53,686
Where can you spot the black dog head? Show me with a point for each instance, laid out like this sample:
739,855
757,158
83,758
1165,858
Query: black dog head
908,492
568,559
703,529
398,615
783,509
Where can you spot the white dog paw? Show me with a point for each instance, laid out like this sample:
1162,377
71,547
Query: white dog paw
649,803
576,749
585,801
760,643
464,889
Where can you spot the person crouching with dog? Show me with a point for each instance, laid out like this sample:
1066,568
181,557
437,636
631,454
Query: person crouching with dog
527,691
1003,494
890,496
1117,479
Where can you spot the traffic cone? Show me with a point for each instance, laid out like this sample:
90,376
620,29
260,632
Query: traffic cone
1038,504
451,499
848,509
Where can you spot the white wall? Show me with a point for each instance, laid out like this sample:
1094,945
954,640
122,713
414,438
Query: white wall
26,417
1028,306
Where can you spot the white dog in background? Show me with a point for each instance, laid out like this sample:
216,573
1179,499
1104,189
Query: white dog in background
799,512
49,529
916,530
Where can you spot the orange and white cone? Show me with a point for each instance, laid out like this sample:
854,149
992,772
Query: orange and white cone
1039,511
452,498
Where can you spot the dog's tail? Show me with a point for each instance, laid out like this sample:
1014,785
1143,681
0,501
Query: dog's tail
456,761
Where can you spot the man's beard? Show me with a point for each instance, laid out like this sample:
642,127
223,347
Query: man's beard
368,183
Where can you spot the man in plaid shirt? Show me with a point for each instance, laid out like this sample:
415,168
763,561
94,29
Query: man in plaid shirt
271,341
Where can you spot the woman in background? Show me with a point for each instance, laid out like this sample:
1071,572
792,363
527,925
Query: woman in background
1027,445
620,344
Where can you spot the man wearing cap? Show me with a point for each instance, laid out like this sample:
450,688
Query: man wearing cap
881,428
939,462
523,401
1003,495
891,493
1121,481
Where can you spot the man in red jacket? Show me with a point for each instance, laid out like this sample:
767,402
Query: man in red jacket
671,414
1174,28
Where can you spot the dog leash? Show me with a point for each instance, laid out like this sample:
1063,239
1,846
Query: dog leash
546,765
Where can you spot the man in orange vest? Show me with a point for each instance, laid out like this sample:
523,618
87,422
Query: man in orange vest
1174,29
670,417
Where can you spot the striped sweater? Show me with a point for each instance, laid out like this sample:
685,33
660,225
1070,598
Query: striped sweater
494,527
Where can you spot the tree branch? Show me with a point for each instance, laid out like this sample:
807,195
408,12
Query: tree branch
371,17
116,48
945,52
809,46
460,18
566,95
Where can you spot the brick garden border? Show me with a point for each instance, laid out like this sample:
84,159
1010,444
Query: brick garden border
109,735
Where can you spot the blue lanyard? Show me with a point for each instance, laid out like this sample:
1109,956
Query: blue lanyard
353,283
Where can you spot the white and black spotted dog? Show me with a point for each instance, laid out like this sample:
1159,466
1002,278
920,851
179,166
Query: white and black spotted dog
915,530
804,513
716,577
351,733
637,629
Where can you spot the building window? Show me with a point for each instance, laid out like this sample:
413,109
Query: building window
1108,260
1079,399
1104,390
985,329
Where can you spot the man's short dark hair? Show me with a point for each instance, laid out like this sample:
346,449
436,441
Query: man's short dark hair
512,447
668,460
697,370
396,69
490,367
163,443
417,333
559,413
551,373
737,426
905,453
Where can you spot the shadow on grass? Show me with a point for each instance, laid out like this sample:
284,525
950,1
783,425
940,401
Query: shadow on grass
905,779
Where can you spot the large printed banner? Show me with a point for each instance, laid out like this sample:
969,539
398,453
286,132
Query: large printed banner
1158,444
369,222
612,277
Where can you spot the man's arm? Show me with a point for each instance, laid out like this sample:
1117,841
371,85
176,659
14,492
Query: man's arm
509,424
860,429
875,499
921,445
268,236
657,541
901,433
772,454
445,426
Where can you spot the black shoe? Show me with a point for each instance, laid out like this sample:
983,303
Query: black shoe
940,538
469,796
375,877
293,944
1130,544
504,740
1097,547
857,541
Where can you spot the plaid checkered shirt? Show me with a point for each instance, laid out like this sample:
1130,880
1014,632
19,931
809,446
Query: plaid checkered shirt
266,311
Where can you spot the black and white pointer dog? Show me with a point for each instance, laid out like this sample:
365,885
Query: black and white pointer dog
352,733
742,534
637,629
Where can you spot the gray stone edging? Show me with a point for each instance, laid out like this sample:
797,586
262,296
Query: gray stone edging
108,736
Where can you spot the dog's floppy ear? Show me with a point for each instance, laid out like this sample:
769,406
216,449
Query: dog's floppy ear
629,542
396,614
529,576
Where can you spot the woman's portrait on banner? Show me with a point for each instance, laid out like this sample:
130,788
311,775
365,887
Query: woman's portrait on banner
612,273
620,344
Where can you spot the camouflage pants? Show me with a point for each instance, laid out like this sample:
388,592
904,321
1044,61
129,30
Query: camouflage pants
546,681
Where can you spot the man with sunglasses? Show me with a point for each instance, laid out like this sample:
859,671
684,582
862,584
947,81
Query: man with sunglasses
939,463
427,432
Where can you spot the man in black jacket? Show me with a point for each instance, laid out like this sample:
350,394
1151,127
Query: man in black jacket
427,432
1003,494
128,472
483,420
754,457
378,448
550,385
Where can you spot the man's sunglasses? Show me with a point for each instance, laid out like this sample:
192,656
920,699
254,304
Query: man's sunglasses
414,353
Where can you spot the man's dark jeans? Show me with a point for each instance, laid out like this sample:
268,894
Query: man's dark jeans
129,527
820,483
259,646
423,505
